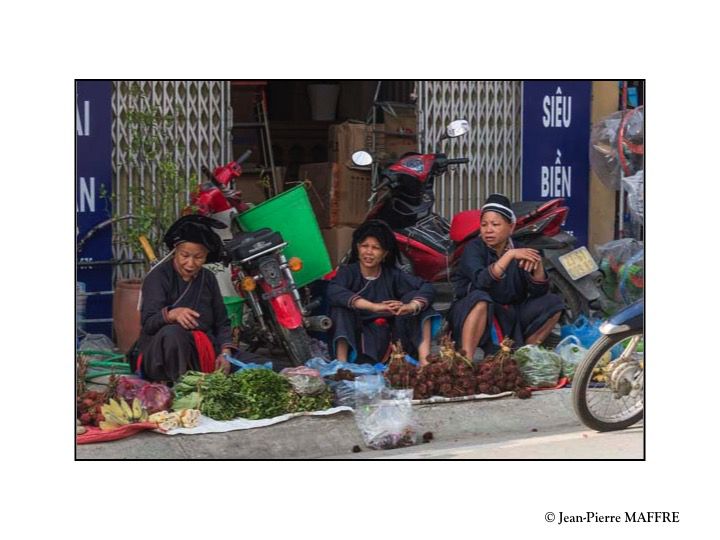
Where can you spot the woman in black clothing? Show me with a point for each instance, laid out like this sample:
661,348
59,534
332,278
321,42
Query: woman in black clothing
185,325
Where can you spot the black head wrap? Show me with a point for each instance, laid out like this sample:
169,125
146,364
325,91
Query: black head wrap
500,204
377,229
199,230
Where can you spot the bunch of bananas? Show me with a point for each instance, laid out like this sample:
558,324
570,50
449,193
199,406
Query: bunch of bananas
118,413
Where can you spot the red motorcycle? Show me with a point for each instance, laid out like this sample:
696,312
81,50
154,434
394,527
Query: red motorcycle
430,246
259,272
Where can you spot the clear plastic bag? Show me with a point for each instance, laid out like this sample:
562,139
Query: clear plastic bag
96,342
622,263
386,419
305,381
634,185
539,367
616,144
572,352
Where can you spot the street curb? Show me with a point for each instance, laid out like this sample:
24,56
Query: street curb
312,437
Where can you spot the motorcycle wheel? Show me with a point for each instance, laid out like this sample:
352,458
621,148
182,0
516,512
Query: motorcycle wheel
574,303
617,402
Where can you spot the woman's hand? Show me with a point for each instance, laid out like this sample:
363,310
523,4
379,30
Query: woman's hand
185,317
398,308
222,364
527,255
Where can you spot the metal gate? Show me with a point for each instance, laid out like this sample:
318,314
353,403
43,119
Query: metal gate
200,134
494,111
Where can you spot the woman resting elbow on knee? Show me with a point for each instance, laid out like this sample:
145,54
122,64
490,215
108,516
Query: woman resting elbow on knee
499,282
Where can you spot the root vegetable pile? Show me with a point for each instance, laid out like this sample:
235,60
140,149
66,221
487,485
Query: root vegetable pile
400,373
500,373
449,373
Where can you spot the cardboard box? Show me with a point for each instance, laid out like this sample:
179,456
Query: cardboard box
404,121
349,137
337,242
350,196
251,187
337,193
396,146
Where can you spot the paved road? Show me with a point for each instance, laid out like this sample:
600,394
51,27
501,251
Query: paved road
567,443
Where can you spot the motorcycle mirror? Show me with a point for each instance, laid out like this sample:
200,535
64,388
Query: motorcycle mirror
362,158
457,128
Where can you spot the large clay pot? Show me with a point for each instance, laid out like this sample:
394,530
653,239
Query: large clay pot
126,317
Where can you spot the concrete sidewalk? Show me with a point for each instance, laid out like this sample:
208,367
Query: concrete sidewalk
310,437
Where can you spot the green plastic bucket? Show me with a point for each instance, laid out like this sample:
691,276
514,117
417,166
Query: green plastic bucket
291,214
234,307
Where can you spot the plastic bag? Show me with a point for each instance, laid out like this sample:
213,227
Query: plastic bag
386,420
240,366
634,185
616,146
364,389
328,369
539,367
304,380
622,263
572,352
96,342
344,392
587,331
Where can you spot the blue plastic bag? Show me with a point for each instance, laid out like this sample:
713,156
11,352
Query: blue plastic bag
237,365
584,329
328,369
587,331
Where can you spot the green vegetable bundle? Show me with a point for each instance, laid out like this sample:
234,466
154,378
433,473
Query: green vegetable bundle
264,393
539,367
215,394
320,402
250,393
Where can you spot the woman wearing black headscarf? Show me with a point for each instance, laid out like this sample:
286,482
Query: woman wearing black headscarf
372,301
185,325
499,282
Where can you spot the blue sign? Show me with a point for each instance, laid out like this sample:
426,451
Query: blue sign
93,169
555,155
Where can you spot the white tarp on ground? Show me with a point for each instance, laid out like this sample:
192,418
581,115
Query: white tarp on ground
208,425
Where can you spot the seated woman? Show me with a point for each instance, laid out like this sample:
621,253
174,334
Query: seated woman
373,302
496,279
185,325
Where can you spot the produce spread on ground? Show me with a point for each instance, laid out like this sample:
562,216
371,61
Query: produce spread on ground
382,395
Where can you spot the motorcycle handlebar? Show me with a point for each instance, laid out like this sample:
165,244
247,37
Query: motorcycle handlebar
381,185
458,161
242,158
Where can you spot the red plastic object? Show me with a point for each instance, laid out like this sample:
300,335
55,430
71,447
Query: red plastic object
97,435
562,381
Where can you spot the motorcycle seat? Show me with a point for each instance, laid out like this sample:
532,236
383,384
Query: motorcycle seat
526,209
247,244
